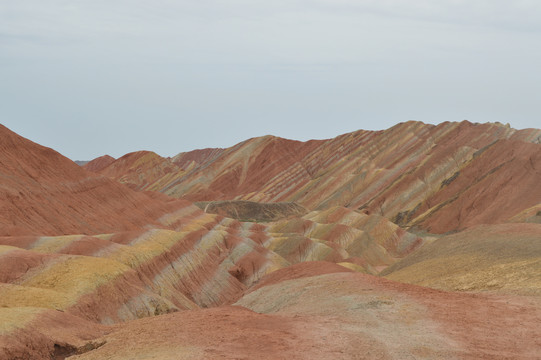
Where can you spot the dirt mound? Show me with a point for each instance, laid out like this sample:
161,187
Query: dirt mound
252,211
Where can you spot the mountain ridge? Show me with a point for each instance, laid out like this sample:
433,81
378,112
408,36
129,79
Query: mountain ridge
403,173
99,266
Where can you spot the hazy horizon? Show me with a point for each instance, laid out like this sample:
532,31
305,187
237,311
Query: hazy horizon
230,145
89,78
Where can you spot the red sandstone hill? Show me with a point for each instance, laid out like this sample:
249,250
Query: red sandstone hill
139,170
300,286
437,178
196,157
99,163
43,192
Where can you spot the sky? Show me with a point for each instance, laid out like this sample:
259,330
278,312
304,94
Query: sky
94,77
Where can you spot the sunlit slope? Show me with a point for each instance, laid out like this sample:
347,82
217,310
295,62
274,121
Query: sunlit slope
503,257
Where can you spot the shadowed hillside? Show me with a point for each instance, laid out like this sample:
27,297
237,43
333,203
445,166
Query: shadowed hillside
252,211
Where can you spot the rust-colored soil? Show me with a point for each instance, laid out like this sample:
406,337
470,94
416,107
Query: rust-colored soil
99,164
44,193
337,316
234,333
438,178
297,271
96,265
411,321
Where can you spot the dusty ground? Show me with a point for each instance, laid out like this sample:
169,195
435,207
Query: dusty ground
504,258
341,315
412,321
234,333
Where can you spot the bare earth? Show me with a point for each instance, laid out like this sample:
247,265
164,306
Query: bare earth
416,242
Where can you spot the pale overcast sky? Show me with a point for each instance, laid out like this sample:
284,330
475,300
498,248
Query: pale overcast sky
89,77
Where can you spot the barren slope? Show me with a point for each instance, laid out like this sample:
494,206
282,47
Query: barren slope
384,319
504,257
42,192
99,164
89,267
140,170
439,178
336,315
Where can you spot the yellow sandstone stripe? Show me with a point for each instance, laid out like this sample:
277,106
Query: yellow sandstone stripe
54,244
77,275
16,318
